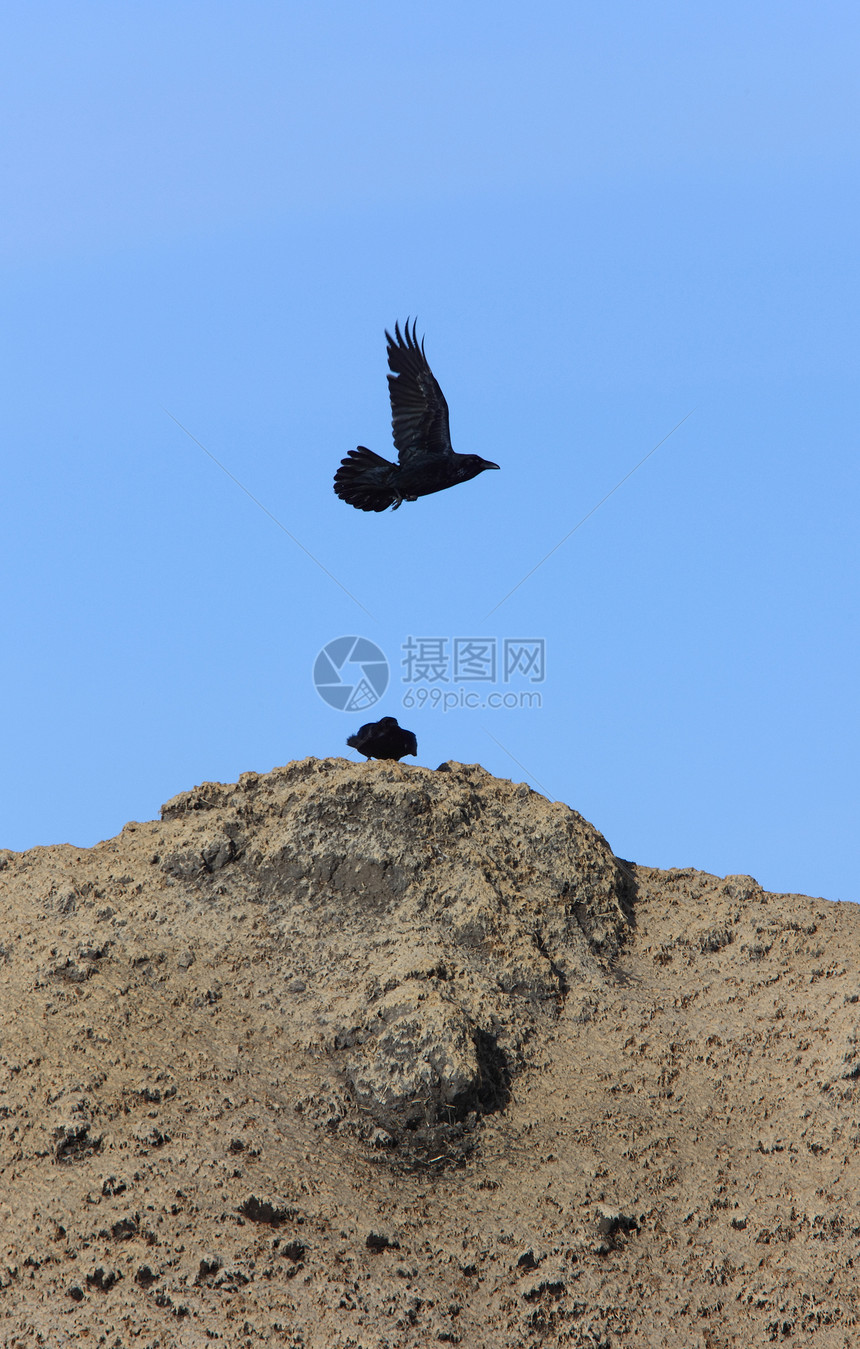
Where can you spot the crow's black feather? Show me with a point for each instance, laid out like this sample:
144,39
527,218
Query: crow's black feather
383,739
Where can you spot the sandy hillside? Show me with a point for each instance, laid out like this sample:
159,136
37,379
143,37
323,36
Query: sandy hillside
362,1056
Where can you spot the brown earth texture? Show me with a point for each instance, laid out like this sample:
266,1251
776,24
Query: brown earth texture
366,1056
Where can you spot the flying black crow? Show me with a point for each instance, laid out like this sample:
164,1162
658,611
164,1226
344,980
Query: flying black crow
383,740
419,419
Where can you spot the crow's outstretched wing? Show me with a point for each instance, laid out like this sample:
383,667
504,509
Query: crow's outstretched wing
419,413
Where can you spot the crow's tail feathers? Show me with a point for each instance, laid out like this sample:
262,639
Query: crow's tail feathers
364,480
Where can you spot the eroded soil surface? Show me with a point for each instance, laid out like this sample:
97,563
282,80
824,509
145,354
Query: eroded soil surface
367,1055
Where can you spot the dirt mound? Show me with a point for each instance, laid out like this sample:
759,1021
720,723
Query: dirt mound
370,1055
436,921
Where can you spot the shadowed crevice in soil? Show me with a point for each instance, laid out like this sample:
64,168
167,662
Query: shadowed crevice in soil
494,1089
627,889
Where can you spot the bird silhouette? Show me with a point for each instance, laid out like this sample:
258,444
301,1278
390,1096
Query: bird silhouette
419,420
383,740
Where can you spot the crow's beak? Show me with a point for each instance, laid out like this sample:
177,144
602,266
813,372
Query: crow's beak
485,463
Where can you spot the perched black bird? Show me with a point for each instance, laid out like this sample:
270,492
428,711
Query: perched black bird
383,740
419,419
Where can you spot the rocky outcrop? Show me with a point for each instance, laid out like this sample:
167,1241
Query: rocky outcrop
372,1055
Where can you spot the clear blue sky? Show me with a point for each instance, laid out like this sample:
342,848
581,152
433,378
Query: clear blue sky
604,216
